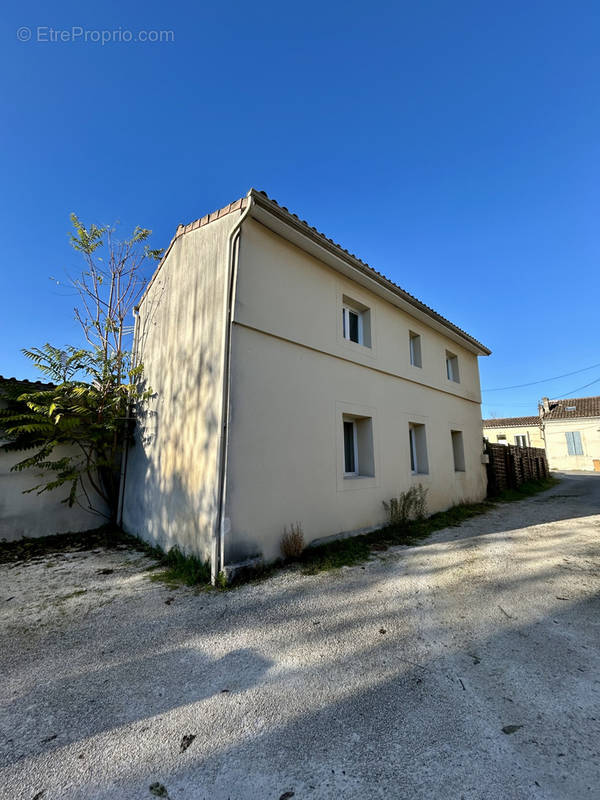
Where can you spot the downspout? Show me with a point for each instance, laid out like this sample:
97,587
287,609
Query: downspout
218,560
125,453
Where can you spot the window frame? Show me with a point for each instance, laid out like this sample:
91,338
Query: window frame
415,354
452,367
417,429
356,472
457,440
522,436
348,309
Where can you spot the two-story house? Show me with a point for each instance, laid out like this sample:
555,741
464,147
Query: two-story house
292,383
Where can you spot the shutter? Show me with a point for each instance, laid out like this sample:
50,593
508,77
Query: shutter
570,443
577,445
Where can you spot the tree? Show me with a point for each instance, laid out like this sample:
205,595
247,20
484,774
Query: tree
78,423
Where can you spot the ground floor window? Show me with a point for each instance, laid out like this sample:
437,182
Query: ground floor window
574,444
458,451
358,447
521,440
419,464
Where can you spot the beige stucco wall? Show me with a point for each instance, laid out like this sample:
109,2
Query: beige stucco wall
556,443
534,434
294,376
170,490
38,515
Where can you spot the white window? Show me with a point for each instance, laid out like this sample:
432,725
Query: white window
352,325
419,464
458,451
452,367
574,444
414,344
356,321
521,440
501,438
358,447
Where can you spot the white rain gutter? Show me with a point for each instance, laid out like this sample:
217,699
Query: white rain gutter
218,559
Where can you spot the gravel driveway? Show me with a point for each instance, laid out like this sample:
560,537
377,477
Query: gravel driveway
467,667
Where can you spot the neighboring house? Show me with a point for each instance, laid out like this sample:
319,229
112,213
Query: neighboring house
33,514
292,383
522,431
571,429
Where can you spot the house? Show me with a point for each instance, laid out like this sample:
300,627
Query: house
31,514
292,383
522,431
568,429
571,430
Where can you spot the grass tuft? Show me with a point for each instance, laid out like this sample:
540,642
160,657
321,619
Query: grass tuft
181,569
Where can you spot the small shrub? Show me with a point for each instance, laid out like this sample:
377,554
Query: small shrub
292,541
409,505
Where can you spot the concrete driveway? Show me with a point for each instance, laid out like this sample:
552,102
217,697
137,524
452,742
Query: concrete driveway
467,667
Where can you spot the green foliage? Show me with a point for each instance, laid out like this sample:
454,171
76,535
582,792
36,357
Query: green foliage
409,505
76,427
180,568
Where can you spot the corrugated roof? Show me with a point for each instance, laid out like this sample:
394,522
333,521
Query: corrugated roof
263,199
573,407
511,422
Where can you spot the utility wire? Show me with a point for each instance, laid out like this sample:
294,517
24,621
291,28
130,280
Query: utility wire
546,380
579,388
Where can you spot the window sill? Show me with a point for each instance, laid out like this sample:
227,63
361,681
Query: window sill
356,482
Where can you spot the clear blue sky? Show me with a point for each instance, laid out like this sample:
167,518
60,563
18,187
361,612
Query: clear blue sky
453,146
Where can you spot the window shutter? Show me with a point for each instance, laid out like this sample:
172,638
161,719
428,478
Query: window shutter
570,443
577,446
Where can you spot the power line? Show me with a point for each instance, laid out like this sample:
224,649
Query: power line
546,380
579,388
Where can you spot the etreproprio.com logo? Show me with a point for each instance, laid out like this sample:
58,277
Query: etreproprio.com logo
77,33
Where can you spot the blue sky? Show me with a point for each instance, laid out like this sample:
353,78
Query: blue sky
453,146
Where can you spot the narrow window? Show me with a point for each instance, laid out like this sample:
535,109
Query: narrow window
414,344
352,321
419,463
356,322
574,444
452,367
358,447
458,451
350,448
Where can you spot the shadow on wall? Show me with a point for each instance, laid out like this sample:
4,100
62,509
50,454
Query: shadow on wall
170,489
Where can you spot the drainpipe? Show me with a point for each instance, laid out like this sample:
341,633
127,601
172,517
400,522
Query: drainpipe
218,560
125,453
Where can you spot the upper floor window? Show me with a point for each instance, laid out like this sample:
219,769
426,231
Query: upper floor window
414,344
452,367
356,322
521,440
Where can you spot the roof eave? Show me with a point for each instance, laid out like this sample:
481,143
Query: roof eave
290,227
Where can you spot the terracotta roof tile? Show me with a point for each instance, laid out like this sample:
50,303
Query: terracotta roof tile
511,422
573,407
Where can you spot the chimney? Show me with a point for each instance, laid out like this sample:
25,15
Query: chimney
545,405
